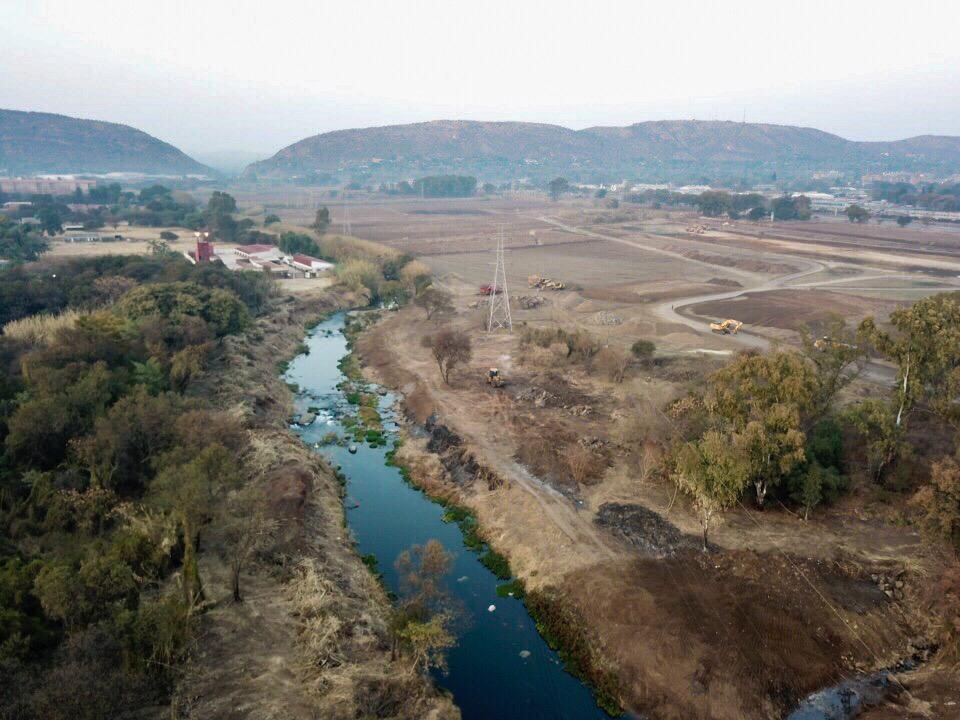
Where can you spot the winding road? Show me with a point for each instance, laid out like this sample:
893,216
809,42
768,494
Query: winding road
668,309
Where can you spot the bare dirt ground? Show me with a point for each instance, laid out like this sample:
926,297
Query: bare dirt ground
783,606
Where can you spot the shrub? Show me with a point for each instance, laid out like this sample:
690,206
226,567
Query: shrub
643,350
167,235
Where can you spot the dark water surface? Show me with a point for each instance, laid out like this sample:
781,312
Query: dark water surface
501,669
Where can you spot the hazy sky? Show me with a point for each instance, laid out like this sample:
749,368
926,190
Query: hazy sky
209,75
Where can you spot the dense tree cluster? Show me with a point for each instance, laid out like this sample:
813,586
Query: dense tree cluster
765,425
944,197
19,243
110,474
445,186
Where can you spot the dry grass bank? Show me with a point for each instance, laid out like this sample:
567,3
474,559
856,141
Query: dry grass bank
309,640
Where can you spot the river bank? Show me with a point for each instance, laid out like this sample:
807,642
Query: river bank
500,666
309,640
742,632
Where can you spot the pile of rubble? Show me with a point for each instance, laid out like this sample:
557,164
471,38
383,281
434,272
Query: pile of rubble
607,318
697,229
644,529
539,397
530,302
544,283
891,584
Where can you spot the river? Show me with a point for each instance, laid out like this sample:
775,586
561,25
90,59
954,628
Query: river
500,667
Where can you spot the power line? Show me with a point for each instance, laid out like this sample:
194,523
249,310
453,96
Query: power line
499,316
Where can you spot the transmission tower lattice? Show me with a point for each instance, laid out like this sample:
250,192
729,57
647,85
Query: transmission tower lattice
499,316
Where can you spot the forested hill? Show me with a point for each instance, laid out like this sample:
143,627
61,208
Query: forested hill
661,150
33,142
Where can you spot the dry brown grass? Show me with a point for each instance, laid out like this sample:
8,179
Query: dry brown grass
41,329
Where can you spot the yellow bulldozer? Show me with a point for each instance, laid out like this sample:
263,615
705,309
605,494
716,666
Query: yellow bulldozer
494,378
727,327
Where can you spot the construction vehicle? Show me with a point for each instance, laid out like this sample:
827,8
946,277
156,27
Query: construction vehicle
727,327
494,378
488,289
543,283
822,344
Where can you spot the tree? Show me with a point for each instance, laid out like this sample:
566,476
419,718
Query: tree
221,203
420,622
904,220
713,473
584,464
857,214
360,276
393,267
321,220
882,437
714,203
167,235
837,358
613,362
752,384
939,503
771,446
814,484
434,301
159,248
246,530
925,344
293,243
190,491
558,186
600,194
428,642
50,219
449,348
643,350
271,219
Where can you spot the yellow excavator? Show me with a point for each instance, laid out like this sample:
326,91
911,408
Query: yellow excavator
494,378
727,327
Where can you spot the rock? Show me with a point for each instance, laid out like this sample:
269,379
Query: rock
306,419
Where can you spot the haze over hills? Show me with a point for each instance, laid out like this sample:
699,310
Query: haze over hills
34,142
680,150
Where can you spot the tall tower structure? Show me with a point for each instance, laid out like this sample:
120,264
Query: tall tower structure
499,316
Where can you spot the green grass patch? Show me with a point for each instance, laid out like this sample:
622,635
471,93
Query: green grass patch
497,564
563,630
514,588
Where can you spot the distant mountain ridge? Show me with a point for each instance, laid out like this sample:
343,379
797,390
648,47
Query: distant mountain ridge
655,150
35,142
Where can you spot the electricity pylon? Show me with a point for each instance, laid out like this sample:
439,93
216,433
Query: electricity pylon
499,316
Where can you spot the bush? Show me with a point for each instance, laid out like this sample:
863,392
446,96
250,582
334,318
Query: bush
643,350
167,235
580,346
360,276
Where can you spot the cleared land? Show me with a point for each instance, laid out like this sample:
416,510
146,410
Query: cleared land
727,635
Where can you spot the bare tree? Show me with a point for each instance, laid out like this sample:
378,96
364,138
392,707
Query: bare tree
246,530
434,301
449,348
613,362
584,464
